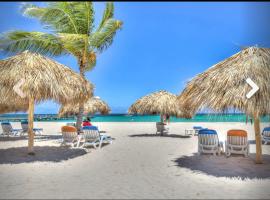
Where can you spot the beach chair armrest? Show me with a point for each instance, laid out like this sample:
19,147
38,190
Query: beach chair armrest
38,129
17,130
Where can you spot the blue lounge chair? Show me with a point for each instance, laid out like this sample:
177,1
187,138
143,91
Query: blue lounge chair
266,135
91,136
208,142
196,129
24,125
9,130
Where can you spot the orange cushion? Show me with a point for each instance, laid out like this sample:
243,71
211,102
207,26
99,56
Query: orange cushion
68,129
241,133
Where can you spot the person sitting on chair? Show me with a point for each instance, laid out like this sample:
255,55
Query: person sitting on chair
87,122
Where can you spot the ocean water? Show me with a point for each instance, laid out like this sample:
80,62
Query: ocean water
134,118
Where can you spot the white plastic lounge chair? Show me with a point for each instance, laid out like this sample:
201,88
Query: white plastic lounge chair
70,136
71,124
237,143
189,132
92,136
266,135
8,130
208,142
35,130
161,128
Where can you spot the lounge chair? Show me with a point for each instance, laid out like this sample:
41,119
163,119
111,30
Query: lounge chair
71,124
266,135
24,125
8,130
208,142
196,129
92,136
70,136
237,143
161,128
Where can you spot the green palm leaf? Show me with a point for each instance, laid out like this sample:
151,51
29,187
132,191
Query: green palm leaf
103,38
43,43
107,14
72,26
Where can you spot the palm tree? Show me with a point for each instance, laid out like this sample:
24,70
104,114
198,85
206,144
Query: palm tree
72,31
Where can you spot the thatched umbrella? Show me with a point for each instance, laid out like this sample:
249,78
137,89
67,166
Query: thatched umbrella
7,108
223,87
9,105
43,79
161,102
7,101
92,106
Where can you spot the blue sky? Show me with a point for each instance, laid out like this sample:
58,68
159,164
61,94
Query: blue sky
161,45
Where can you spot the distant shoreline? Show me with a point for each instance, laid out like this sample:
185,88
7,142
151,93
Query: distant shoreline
200,117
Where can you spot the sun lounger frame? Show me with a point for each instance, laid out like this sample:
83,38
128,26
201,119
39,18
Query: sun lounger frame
9,130
237,145
70,138
266,135
161,128
91,136
209,143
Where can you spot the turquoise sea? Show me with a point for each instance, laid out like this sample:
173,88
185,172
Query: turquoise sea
134,118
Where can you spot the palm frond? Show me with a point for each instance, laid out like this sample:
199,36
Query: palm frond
103,39
84,16
18,41
107,14
73,43
32,10
65,17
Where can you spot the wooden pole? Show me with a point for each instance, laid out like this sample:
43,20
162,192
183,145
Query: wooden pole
162,124
30,126
258,139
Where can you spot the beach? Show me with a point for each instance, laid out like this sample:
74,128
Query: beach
138,164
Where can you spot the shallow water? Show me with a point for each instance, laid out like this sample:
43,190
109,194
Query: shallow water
135,118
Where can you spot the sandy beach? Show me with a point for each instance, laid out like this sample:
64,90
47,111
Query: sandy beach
138,164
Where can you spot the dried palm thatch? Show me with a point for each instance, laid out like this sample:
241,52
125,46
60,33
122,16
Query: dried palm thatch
4,108
224,86
92,106
162,102
42,79
7,101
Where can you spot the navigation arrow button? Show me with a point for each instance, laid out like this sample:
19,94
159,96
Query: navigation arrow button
255,88
17,89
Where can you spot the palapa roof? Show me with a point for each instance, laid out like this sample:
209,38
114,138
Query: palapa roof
4,108
92,106
161,102
43,78
224,86
8,101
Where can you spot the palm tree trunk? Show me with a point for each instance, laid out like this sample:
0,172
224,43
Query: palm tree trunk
79,117
81,105
258,138
30,126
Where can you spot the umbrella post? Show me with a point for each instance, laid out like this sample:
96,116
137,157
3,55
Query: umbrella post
258,139
30,126
161,120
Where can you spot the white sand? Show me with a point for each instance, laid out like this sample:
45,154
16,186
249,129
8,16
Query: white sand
141,166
